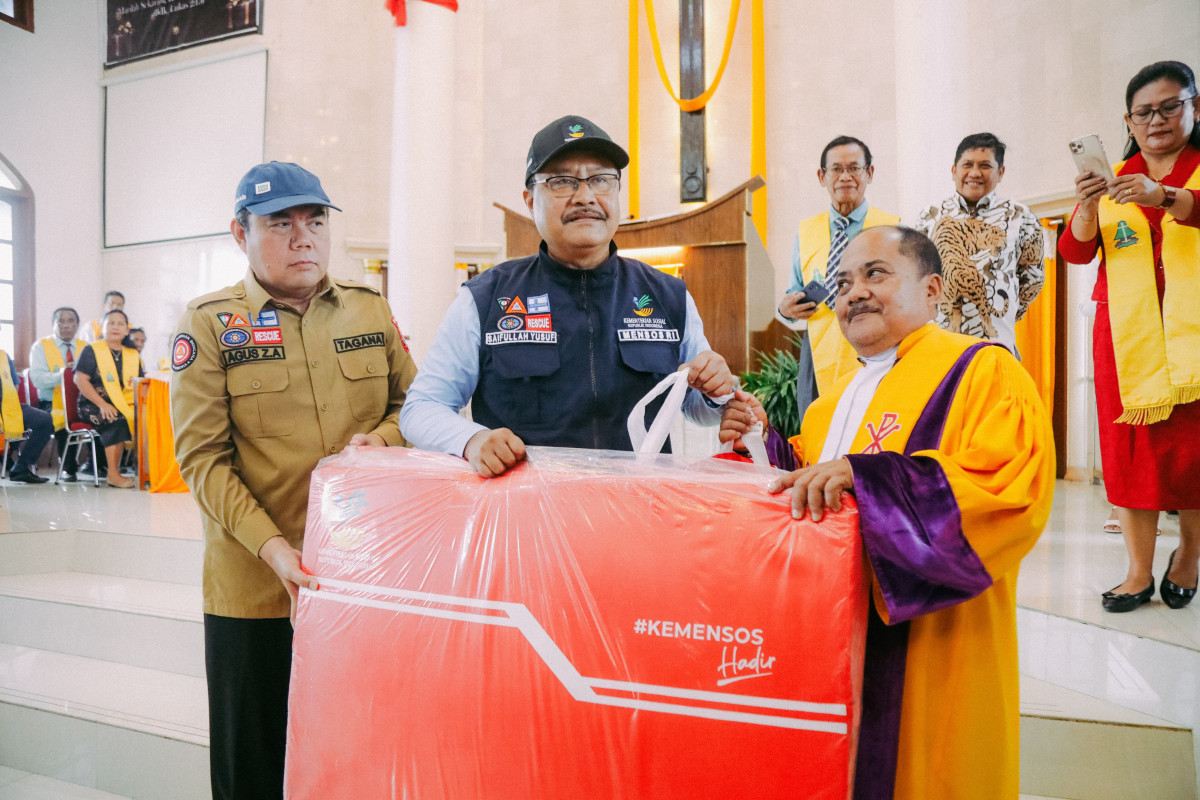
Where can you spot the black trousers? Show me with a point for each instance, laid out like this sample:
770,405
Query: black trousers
249,663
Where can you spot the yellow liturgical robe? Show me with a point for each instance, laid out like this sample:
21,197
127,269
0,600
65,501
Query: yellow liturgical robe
954,476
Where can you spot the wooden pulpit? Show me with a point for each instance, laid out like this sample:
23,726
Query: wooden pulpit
716,249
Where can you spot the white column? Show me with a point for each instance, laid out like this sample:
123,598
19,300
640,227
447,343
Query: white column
421,242
933,98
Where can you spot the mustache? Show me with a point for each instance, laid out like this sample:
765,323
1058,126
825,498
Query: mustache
584,213
859,308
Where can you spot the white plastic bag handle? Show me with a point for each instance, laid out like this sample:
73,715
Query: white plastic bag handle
651,440
753,440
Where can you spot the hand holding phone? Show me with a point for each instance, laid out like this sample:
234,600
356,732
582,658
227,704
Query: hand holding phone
1089,155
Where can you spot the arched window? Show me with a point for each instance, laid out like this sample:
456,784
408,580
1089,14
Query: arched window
16,264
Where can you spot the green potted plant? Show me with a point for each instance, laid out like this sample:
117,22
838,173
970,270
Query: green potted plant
774,384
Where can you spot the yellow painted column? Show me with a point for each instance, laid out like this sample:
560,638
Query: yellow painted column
633,175
758,116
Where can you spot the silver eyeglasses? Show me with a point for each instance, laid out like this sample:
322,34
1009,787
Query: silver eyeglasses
566,185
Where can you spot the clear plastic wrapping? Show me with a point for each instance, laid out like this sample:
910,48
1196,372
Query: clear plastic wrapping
589,625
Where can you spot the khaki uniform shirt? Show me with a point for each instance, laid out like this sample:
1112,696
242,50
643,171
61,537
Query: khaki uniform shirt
259,394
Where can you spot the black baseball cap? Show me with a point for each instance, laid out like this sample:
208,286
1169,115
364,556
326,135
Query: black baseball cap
575,134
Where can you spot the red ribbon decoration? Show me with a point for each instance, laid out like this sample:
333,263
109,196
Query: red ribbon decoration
396,7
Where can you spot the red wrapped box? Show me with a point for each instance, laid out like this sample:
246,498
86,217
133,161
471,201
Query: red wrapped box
588,625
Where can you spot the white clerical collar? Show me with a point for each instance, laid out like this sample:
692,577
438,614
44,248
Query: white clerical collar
852,405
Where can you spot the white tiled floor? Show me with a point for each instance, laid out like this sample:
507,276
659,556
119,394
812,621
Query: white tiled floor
17,785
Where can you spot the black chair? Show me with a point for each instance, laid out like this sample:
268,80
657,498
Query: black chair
78,433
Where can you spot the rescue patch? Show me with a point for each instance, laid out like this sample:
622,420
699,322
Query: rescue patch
537,322
267,335
358,342
234,337
245,355
510,323
517,337
183,352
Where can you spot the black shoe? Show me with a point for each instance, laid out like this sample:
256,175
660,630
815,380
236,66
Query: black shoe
69,477
1173,595
29,476
1120,603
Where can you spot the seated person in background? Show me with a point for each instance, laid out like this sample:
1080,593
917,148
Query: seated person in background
112,300
15,419
104,374
947,449
47,359
557,348
136,339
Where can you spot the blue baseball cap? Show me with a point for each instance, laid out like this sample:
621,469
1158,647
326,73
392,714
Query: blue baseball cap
278,185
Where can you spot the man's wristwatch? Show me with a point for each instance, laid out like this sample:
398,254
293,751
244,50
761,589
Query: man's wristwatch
1168,196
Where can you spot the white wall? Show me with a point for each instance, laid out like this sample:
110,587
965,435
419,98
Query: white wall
50,130
329,79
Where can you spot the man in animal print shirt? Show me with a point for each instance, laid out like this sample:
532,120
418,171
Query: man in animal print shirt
991,247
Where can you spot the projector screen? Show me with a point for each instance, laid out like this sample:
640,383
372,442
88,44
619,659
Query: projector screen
175,145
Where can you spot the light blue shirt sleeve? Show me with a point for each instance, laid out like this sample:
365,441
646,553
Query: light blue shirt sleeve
445,383
696,408
797,268
43,379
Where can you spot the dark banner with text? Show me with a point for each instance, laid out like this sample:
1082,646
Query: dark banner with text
143,28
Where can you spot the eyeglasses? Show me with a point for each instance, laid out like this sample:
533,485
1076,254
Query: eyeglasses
1168,110
566,186
853,170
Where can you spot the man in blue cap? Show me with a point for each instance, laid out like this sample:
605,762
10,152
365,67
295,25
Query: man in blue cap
556,348
270,375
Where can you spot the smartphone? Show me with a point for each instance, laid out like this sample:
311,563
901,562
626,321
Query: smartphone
1090,157
815,292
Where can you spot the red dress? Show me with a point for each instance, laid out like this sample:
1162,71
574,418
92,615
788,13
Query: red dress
1152,467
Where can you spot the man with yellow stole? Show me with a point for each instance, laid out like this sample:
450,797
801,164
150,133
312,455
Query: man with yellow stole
47,359
949,453
845,172
15,419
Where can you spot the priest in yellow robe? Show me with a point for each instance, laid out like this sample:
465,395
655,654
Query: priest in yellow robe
945,445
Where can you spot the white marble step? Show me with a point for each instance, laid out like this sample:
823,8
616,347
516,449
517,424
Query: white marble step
18,785
126,620
132,731
154,558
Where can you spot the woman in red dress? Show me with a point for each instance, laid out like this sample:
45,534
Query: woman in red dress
1147,354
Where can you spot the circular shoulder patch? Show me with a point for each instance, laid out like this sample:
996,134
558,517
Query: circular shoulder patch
234,337
183,352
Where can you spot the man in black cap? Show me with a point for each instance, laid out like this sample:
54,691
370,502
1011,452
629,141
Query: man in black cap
270,375
557,348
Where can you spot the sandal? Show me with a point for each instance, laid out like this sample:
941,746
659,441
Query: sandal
122,482
1113,525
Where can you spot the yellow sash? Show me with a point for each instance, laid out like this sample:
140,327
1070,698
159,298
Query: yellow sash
120,397
833,357
97,331
11,416
1157,352
54,360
